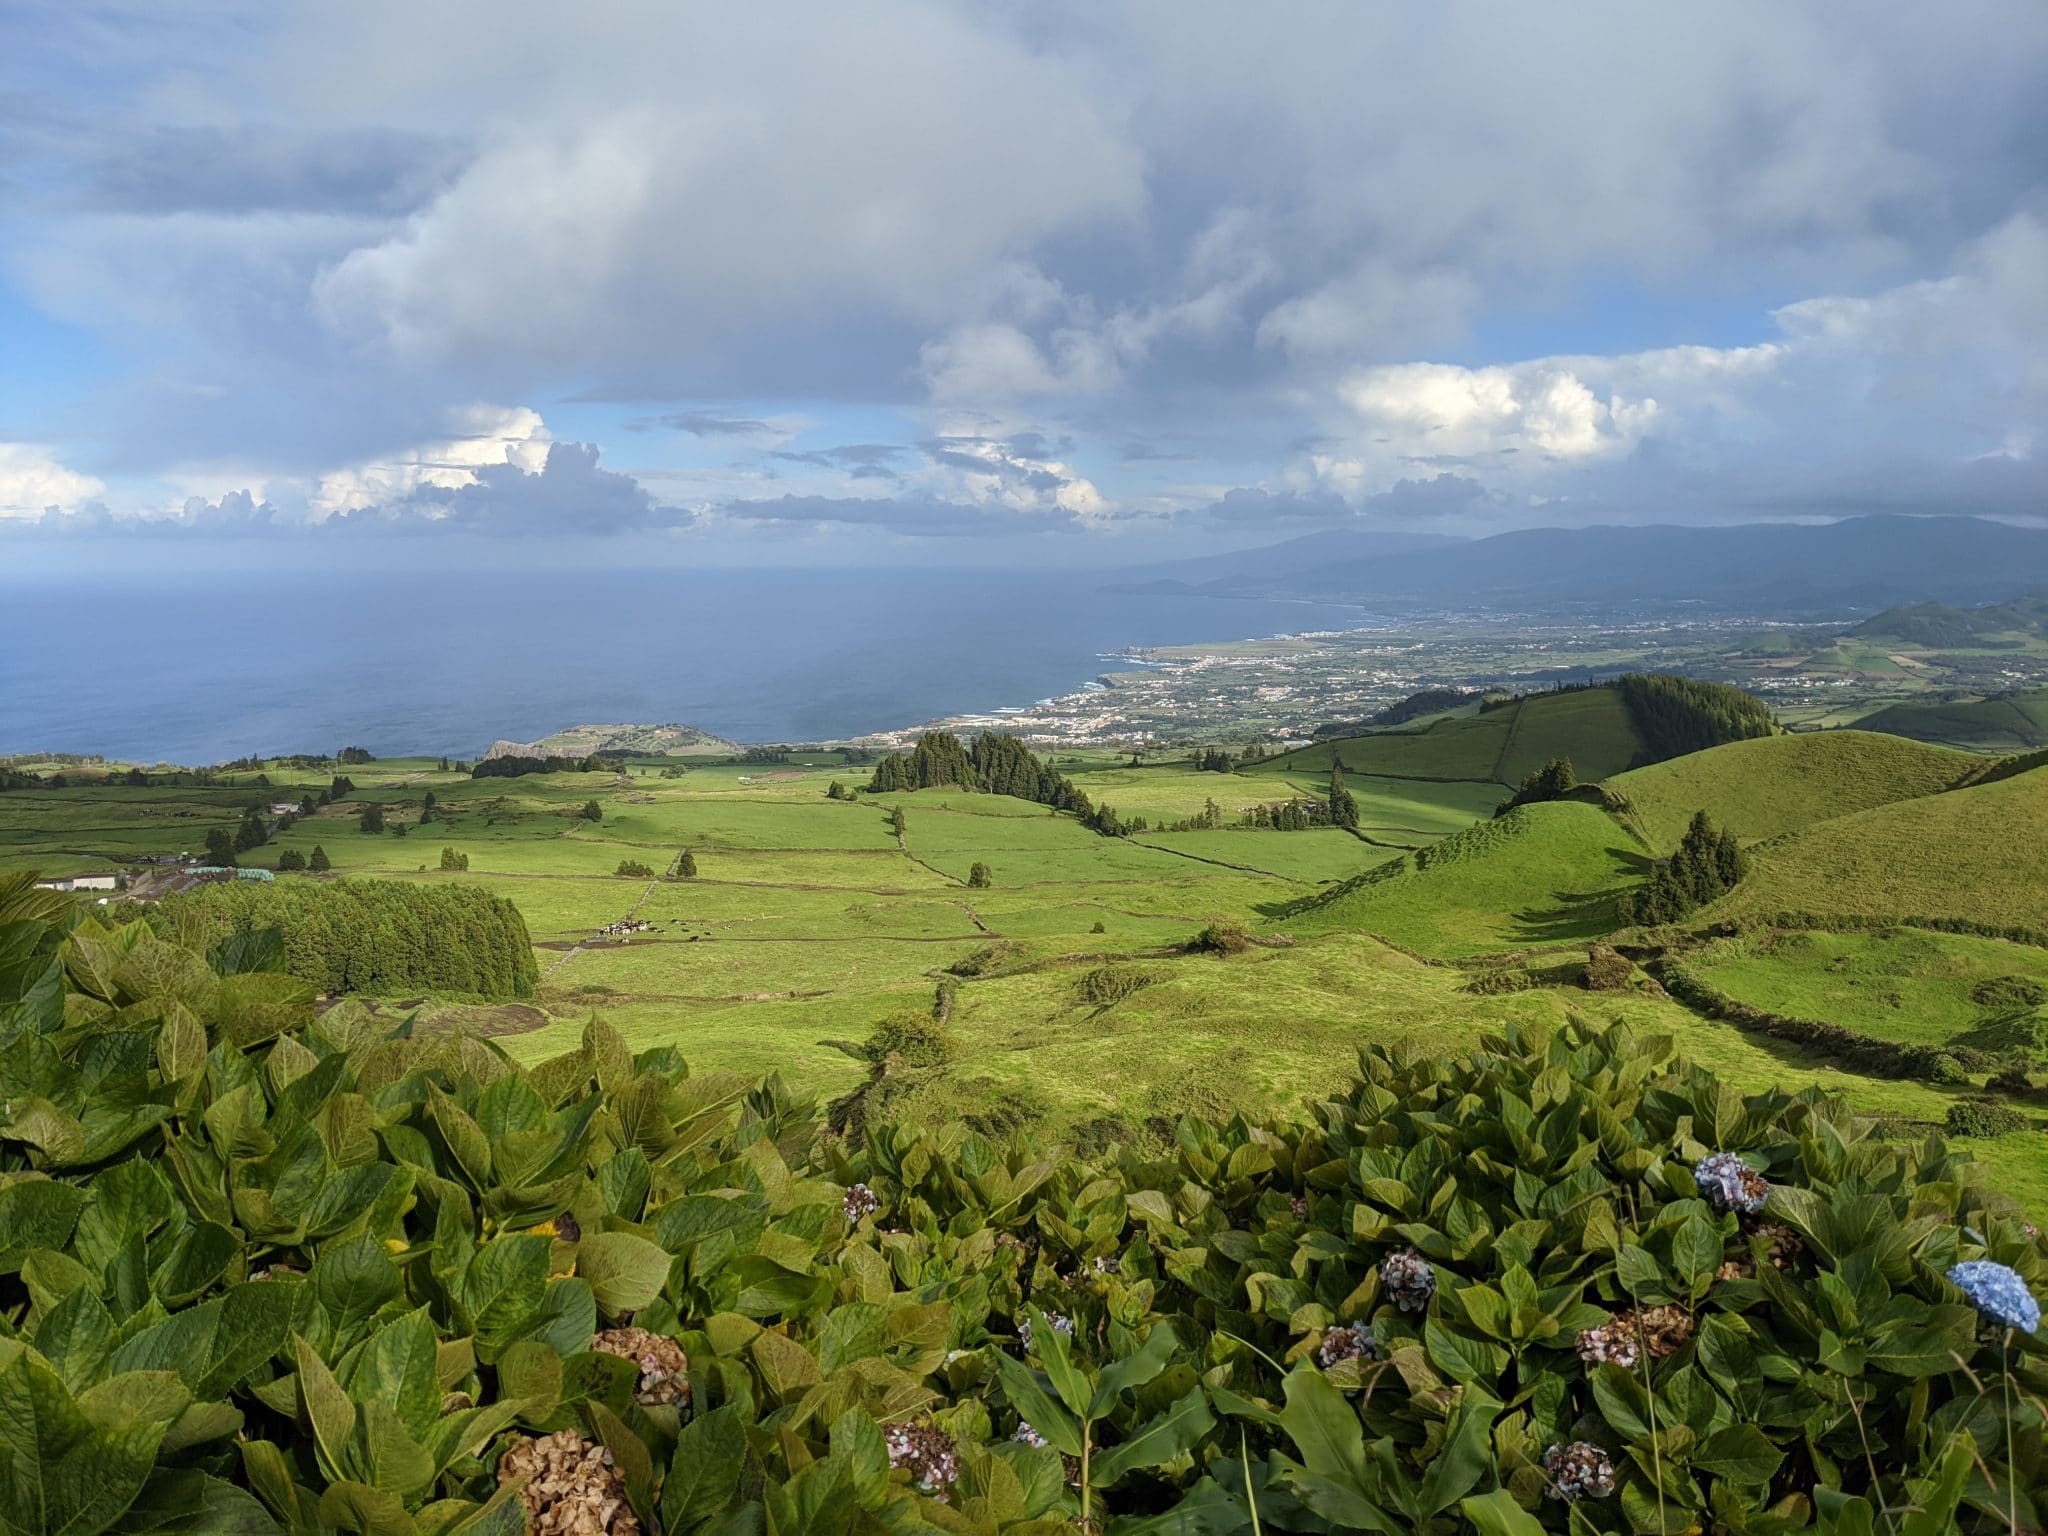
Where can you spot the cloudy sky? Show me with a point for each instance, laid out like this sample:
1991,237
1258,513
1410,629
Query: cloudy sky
1085,281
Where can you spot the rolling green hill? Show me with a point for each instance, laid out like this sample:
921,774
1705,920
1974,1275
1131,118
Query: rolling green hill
1542,874
1977,855
1778,784
1939,626
2010,722
1501,745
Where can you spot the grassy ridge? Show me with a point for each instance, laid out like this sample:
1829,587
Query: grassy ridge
2014,722
1778,784
1542,874
1977,855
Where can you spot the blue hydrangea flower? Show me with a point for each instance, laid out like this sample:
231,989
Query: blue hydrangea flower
1997,1291
1731,1184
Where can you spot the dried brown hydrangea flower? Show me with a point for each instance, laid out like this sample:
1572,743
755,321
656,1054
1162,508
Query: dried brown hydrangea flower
1620,1341
927,1453
1781,1246
664,1368
572,1488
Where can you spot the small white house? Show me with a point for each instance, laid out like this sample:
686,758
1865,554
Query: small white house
285,808
82,883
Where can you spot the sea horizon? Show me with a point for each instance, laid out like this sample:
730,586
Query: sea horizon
439,662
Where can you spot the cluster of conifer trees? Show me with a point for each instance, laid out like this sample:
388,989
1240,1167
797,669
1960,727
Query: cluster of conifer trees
1709,862
380,937
1676,715
996,764
512,767
1553,781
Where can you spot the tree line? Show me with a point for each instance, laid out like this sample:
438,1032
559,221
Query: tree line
996,764
1676,715
380,937
513,766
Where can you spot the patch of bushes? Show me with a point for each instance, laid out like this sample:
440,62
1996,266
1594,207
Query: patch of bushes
1221,936
1980,1117
634,868
2007,994
1108,984
915,1039
984,961
1607,970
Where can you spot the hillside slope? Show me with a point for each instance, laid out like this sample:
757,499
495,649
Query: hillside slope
1502,745
1541,874
2010,722
1977,855
1778,784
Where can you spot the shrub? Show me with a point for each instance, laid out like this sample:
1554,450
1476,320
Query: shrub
1222,936
317,861
634,868
2008,994
1607,970
452,860
2014,1080
915,1039
1944,1068
980,877
989,957
1980,1117
290,859
1108,984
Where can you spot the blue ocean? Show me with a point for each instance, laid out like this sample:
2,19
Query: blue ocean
447,662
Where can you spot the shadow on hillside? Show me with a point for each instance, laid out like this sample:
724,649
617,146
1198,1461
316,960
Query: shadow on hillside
1577,915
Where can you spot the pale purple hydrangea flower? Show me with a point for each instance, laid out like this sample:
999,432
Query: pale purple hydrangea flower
1730,1184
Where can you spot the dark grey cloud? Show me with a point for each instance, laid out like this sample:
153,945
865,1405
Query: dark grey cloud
263,168
858,461
707,424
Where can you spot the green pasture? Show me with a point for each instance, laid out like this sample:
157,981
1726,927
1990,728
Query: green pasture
1977,855
1903,984
809,921
1778,784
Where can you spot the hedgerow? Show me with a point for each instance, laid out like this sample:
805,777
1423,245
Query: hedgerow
261,1271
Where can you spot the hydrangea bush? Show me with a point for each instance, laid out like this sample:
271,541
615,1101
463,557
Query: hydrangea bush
262,1271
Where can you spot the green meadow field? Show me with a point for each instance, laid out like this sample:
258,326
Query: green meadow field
1066,985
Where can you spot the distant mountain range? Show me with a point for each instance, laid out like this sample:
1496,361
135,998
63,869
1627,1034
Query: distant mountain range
1747,568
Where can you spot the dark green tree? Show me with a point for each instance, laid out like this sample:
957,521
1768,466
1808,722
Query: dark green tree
371,817
980,877
318,861
290,859
253,832
592,811
686,865
1343,804
220,847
